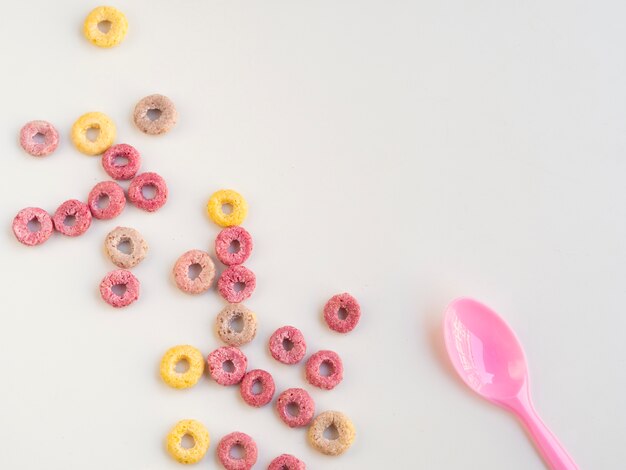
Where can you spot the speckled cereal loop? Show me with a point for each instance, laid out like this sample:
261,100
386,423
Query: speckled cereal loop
124,278
205,277
345,430
197,432
287,345
121,171
215,208
265,382
231,278
335,367
106,134
23,233
338,304
229,356
231,440
299,399
115,34
175,355
137,244
163,123
135,194
76,211
236,238
286,462
106,200
231,314
39,149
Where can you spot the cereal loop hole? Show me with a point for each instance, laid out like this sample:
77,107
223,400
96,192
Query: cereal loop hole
92,134
331,433
239,286
257,387
104,26
293,409
228,366
125,246
236,323
119,289
33,225
120,161
326,368
149,191
234,246
39,138
103,201
227,208
237,452
154,114
193,271
187,442
342,313
69,220
287,344
182,366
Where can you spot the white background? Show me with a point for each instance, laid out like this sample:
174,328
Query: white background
407,152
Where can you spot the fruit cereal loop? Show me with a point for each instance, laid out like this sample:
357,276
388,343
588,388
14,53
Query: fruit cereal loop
286,462
105,137
224,241
76,209
335,366
115,34
344,427
117,278
138,247
231,440
227,354
331,313
141,181
304,403
186,379
227,197
34,148
163,123
232,276
198,433
116,198
230,314
23,233
124,171
292,336
205,278
265,381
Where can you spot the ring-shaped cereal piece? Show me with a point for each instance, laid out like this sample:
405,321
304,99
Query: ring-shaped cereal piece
135,191
98,121
126,281
163,106
227,365
72,218
295,407
227,197
203,281
175,355
332,361
200,436
236,238
106,200
342,313
345,433
138,247
250,451
121,171
286,462
226,322
46,130
287,345
264,381
115,34
231,279
22,231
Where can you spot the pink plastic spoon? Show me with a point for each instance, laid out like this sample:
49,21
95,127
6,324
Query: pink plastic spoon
487,355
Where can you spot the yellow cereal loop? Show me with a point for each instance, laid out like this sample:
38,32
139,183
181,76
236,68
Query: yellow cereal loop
197,432
186,379
106,134
223,197
115,34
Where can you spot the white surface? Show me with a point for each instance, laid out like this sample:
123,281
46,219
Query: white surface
406,152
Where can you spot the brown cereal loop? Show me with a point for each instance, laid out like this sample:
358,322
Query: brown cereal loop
123,235
345,430
226,329
165,120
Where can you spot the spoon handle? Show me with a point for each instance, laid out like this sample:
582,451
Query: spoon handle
553,452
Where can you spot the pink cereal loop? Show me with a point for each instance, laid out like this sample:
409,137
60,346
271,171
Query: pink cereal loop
293,338
286,462
230,278
303,404
334,364
219,358
223,244
77,210
266,383
119,277
121,172
24,234
39,149
332,309
205,278
116,200
135,194
249,450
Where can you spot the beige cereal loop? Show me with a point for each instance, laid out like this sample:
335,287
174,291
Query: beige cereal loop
345,430
119,236
177,354
225,324
166,119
